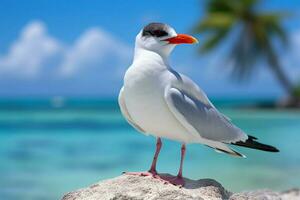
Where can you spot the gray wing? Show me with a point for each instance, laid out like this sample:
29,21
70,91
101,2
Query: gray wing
184,83
201,117
125,112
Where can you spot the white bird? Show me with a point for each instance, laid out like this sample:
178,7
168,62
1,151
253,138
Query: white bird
158,101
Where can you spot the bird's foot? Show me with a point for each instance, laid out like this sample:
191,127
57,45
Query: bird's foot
177,180
141,173
151,173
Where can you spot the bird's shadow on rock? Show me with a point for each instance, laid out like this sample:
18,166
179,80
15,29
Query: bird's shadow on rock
203,183
191,184
195,184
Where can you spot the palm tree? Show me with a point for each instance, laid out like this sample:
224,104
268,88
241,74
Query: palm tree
255,33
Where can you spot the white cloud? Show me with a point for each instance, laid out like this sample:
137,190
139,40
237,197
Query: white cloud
34,49
91,49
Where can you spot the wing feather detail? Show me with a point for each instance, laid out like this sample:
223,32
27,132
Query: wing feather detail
202,117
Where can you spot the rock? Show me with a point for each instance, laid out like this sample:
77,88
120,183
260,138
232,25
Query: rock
257,195
129,187
291,194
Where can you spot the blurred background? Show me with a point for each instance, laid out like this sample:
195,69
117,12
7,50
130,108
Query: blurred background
62,65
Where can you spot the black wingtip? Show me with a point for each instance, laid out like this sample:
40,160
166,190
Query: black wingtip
251,143
275,149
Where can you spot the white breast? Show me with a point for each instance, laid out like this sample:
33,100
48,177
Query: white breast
144,96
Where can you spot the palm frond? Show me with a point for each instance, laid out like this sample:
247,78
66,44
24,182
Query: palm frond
272,24
213,40
220,6
255,41
215,21
244,55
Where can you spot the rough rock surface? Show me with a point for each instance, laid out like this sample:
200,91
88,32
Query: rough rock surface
129,187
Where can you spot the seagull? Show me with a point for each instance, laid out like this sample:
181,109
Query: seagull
156,100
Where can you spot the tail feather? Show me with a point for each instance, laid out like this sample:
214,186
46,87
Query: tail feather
231,152
224,148
253,144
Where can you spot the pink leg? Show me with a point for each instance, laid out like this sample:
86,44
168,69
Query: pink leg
181,160
152,171
178,180
153,165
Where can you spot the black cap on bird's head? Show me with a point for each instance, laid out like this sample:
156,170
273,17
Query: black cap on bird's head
161,38
156,30
167,33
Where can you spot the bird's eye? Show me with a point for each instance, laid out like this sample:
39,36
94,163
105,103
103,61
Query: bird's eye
159,33
155,33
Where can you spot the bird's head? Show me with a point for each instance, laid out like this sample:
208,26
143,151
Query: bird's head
161,38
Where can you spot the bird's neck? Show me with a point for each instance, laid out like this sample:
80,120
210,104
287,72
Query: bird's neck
151,57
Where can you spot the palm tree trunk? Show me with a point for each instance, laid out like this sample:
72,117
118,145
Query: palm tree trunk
276,68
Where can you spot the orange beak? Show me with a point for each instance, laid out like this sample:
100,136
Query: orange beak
182,39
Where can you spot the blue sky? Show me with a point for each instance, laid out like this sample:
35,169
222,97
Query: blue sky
82,48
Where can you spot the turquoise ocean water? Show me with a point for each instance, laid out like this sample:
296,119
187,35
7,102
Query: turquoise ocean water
49,147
